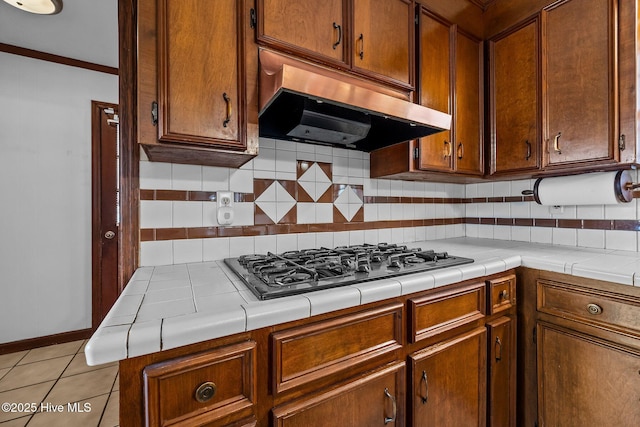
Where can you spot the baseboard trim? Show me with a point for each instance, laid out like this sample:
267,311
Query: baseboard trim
28,344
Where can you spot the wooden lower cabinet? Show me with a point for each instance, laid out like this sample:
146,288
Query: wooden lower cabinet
501,389
375,399
584,380
448,382
433,358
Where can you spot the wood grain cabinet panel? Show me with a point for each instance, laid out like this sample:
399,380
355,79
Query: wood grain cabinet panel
375,399
448,382
514,99
215,388
596,307
436,313
583,380
307,29
383,33
342,345
580,83
197,102
502,293
501,390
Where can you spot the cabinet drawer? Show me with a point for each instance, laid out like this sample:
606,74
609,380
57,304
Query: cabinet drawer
502,293
308,353
212,388
597,307
375,399
432,314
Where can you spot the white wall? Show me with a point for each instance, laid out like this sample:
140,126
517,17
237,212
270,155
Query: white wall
45,194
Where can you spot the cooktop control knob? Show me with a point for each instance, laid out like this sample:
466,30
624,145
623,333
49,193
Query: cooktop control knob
394,261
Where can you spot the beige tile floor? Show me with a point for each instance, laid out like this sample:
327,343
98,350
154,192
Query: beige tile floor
57,377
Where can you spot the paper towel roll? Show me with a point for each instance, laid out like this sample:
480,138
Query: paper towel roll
600,188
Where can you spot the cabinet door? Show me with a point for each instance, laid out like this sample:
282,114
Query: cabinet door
200,72
383,39
583,380
501,409
468,111
448,382
580,83
376,399
315,28
435,87
514,100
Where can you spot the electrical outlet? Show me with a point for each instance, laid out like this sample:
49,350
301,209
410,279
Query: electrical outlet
225,207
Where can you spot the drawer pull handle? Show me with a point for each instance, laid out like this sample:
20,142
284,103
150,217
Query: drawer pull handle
498,349
504,295
339,28
556,143
388,420
424,380
205,392
594,309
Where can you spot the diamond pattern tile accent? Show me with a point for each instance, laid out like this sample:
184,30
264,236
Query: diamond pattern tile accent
275,202
348,202
314,181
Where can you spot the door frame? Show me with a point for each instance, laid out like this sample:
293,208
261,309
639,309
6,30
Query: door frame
98,289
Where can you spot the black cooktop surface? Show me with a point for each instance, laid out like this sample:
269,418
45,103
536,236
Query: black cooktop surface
276,275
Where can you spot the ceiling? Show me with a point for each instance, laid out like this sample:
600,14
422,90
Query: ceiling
85,29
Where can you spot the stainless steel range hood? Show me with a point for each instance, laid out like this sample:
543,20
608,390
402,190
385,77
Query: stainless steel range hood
303,102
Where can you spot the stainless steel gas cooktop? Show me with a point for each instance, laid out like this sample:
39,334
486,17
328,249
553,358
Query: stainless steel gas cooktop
295,272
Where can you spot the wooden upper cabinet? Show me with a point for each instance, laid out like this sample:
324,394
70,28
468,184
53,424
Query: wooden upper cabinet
580,82
450,76
373,38
514,99
435,87
194,94
315,28
383,38
468,113
199,70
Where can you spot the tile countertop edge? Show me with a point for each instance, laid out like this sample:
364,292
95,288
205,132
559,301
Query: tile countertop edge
113,343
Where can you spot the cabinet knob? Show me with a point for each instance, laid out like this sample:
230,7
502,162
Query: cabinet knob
503,295
205,392
594,309
109,235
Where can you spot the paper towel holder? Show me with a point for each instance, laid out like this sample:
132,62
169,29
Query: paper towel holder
622,186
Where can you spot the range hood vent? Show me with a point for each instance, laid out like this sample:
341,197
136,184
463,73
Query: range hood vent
302,102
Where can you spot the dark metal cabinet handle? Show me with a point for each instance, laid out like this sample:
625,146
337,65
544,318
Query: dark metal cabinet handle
460,151
528,156
388,420
423,380
339,28
497,348
227,100
205,392
361,39
556,143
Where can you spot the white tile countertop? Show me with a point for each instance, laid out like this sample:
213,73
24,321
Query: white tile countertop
170,306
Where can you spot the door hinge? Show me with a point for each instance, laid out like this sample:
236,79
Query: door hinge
535,335
416,153
253,21
154,113
622,143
